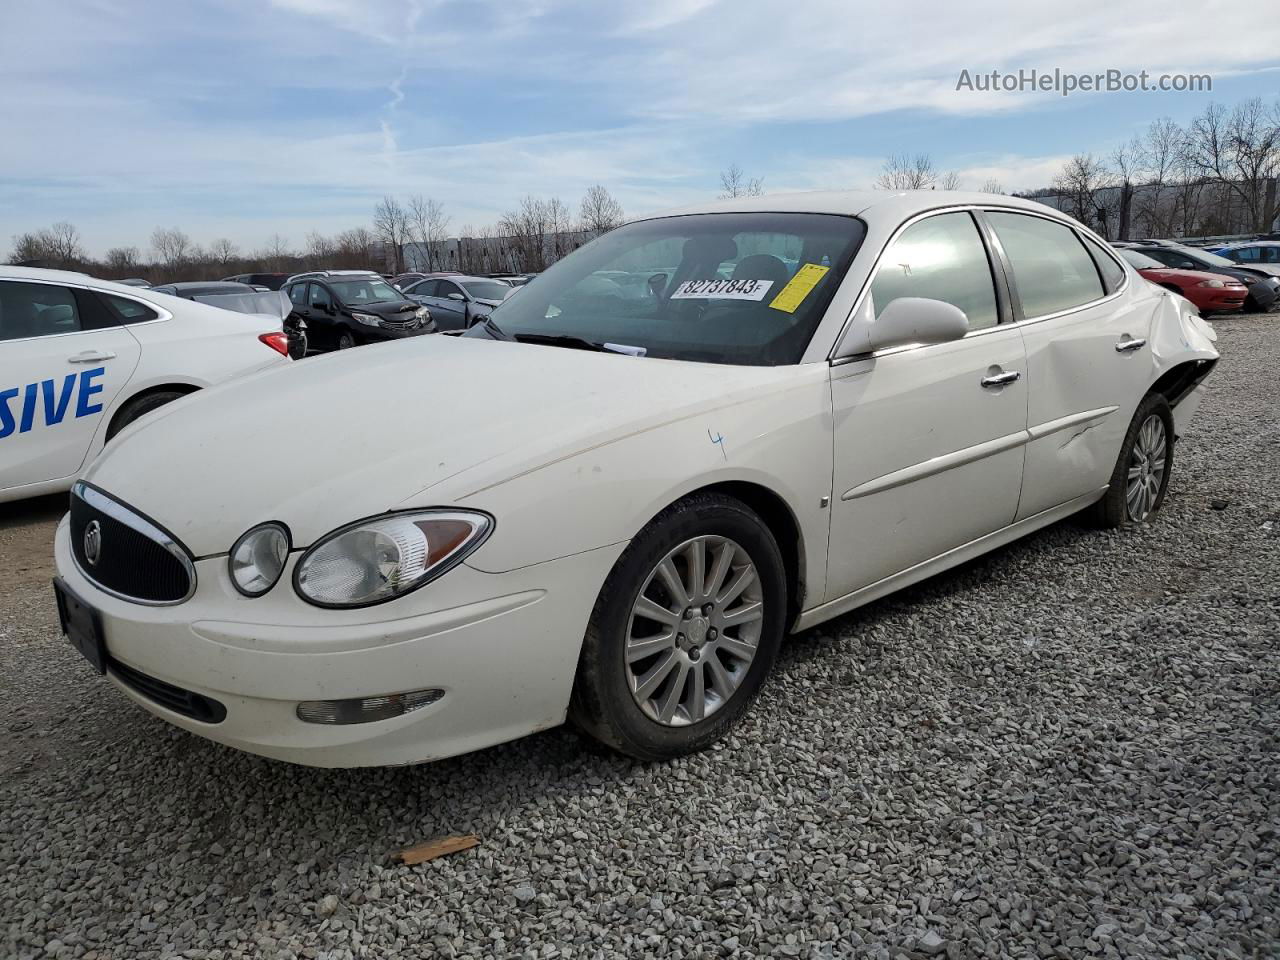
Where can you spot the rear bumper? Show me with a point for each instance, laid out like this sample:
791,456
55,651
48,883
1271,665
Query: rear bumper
503,648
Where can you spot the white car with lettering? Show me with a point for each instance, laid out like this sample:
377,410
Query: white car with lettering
81,359
694,435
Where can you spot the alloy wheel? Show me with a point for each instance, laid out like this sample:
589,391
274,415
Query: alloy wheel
1146,469
694,630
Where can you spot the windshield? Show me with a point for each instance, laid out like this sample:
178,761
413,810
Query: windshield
365,290
1140,261
740,288
1204,256
487,289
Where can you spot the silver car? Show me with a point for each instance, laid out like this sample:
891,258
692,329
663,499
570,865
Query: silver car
458,302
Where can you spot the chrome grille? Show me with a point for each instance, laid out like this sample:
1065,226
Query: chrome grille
126,554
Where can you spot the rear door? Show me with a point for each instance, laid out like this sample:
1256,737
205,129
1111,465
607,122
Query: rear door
1088,361
64,357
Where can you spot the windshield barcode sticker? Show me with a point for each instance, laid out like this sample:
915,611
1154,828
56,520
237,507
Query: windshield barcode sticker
722,290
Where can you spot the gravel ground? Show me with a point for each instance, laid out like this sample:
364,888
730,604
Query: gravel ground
1068,748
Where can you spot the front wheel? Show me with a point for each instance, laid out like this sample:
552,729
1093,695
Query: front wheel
345,340
1141,473
684,632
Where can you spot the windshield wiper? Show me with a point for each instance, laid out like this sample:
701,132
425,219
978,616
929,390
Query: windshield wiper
575,343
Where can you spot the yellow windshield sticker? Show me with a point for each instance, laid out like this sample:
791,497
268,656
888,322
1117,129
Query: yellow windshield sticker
792,295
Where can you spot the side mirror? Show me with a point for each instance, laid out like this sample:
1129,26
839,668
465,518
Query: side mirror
457,296
904,321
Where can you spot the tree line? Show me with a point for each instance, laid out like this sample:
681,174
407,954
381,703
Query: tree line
1215,175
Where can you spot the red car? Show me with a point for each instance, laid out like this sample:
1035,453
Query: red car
1210,292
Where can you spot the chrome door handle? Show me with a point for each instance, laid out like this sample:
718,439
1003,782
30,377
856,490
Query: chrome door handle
91,356
1124,346
1000,379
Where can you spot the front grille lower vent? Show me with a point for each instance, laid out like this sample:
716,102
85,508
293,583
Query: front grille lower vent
193,705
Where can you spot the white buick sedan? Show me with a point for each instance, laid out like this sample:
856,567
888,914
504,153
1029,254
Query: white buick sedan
698,433
81,359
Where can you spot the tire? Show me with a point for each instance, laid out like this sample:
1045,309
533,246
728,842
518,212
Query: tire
345,340
140,407
1116,508
603,704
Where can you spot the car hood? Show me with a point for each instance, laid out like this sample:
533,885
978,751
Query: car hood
329,440
1185,276
1260,270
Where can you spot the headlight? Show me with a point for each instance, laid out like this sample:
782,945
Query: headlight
1211,283
382,558
421,313
367,319
257,559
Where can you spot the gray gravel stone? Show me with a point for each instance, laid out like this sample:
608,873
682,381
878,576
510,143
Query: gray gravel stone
1063,749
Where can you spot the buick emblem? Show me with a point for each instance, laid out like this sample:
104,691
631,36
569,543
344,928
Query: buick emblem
92,543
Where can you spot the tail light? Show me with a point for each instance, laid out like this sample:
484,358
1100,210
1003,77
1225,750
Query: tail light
279,342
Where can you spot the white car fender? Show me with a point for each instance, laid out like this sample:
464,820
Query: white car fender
779,442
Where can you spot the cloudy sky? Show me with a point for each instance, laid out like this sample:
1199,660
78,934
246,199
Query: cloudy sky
245,118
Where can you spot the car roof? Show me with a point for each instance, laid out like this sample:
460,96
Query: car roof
1248,243
188,285
894,205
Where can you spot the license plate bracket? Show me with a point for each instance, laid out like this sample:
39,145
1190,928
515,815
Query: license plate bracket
82,625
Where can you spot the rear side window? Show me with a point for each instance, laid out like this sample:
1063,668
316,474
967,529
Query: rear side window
423,288
941,258
128,311
1051,268
1246,254
1112,272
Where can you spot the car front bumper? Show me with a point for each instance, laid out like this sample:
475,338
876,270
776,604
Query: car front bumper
503,648
1264,293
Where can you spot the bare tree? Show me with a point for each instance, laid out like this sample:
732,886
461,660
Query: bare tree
122,260
905,172
560,238
391,229
223,251
27,247
1163,145
276,254
353,249
63,244
1080,184
992,185
428,225
1240,149
734,183
171,246
1129,161
526,231
949,181
599,212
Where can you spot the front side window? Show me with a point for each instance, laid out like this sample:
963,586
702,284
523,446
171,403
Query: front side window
320,298
423,288
1051,269
298,294
447,288
941,258
734,288
36,310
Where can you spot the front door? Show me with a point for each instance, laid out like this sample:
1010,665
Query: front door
928,439
63,360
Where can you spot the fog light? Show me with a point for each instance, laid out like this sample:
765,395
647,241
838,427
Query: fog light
366,709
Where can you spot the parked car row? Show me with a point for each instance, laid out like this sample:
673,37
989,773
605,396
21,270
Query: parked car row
1214,283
